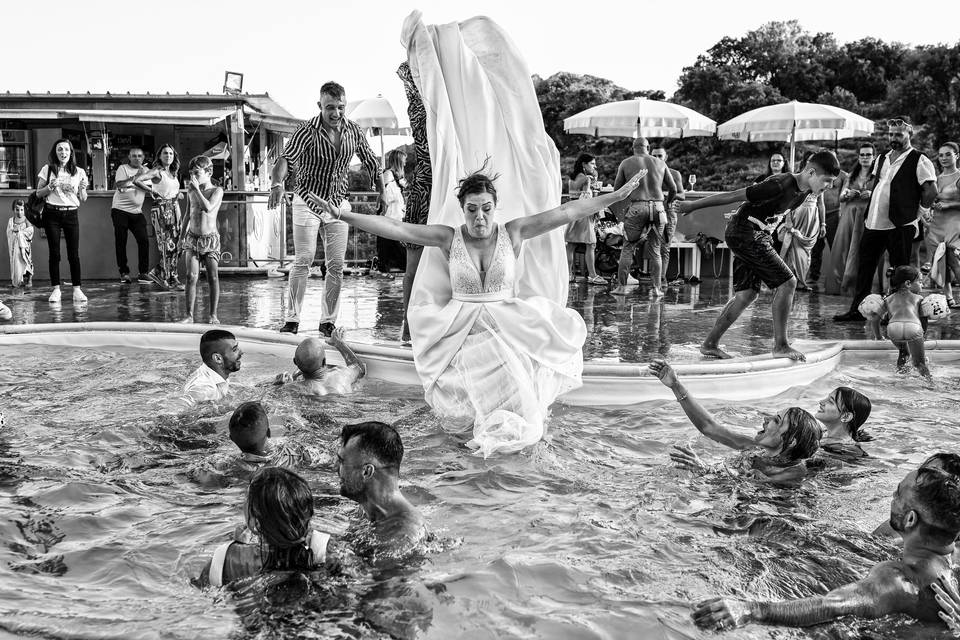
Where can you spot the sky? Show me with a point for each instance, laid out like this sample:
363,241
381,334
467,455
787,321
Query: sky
290,47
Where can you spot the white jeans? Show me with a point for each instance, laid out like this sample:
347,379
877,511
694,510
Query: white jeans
334,235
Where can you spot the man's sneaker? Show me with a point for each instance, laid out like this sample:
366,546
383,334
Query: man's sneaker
125,278
290,327
27,280
326,329
78,296
55,296
174,284
849,316
144,279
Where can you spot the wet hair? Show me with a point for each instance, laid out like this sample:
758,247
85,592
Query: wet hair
903,274
377,439
249,426
279,509
938,491
333,89
209,341
201,162
855,173
825,161
859,406
174,166
17,202
582,159
54,161
477,182
802,437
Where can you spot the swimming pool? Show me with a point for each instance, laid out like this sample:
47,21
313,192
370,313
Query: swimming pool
589,535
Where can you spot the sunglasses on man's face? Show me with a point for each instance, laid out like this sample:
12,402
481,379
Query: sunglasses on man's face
897,122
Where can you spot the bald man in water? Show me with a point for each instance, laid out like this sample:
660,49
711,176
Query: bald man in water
318,378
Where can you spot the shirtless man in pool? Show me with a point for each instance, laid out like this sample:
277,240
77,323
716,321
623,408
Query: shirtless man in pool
925,511
316,376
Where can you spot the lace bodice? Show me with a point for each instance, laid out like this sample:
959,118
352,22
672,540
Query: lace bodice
465,279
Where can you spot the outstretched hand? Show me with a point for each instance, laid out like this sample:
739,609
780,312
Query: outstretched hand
685,458
337,335
720,613
630,185
664,372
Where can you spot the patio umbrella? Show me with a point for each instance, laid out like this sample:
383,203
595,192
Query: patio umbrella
377,113
795,122
640,117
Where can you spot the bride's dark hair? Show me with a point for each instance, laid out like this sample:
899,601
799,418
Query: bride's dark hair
477,182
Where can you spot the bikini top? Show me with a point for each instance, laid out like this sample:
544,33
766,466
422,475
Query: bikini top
318,545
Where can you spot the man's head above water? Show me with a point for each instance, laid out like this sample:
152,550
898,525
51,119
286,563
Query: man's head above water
369,459
250,428
219,351
926,504
310,357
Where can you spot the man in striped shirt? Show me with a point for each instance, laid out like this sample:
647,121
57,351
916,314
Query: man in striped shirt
318,154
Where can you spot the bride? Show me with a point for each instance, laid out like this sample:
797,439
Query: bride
492,340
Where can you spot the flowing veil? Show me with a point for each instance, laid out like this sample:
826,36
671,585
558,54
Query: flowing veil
480,104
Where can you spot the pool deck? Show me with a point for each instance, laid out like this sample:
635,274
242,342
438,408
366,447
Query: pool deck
632,329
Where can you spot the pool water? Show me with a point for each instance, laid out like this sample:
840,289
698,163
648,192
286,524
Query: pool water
592,534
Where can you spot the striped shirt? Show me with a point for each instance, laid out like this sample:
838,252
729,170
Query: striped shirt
316,165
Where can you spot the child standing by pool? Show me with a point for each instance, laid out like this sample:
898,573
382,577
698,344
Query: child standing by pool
19,239
903,308
199,237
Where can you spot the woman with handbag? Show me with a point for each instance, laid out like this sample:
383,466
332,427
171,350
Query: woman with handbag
63,185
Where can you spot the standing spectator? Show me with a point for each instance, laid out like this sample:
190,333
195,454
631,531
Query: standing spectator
126,211
164,184
390,252
944,225
417,194
775,165
831,202
319,153
645,215
582,180
668,230
854,199
199,237
906,180
19,238
64,186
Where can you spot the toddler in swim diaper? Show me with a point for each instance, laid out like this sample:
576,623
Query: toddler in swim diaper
903,310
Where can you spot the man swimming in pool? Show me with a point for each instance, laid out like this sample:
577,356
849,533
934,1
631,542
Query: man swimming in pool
369,469
221,356
318,378
925,511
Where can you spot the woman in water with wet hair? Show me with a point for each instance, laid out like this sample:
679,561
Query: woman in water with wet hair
279,509
842,414
780,450
489,357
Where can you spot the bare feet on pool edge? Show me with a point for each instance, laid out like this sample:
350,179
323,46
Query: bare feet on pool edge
187,320
213,320
714,351
620,291
786,351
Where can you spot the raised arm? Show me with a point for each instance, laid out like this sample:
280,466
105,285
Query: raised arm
730,197
698,416
876,595
349,357
532,226
430,235
207,204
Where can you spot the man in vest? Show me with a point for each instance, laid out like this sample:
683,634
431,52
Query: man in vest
906,182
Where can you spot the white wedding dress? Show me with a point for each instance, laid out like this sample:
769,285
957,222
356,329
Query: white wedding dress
493,350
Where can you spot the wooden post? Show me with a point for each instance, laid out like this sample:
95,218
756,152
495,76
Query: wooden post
236,149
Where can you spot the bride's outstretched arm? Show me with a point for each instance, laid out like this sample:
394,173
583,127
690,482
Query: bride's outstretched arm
532,226
430,235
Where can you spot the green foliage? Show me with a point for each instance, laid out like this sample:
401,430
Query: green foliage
777,62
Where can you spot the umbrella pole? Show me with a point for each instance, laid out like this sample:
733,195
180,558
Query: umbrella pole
382,158
793,145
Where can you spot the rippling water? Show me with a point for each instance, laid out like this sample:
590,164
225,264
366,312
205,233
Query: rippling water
591,534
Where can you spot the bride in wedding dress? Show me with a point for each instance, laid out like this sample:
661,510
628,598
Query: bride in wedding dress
493,343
